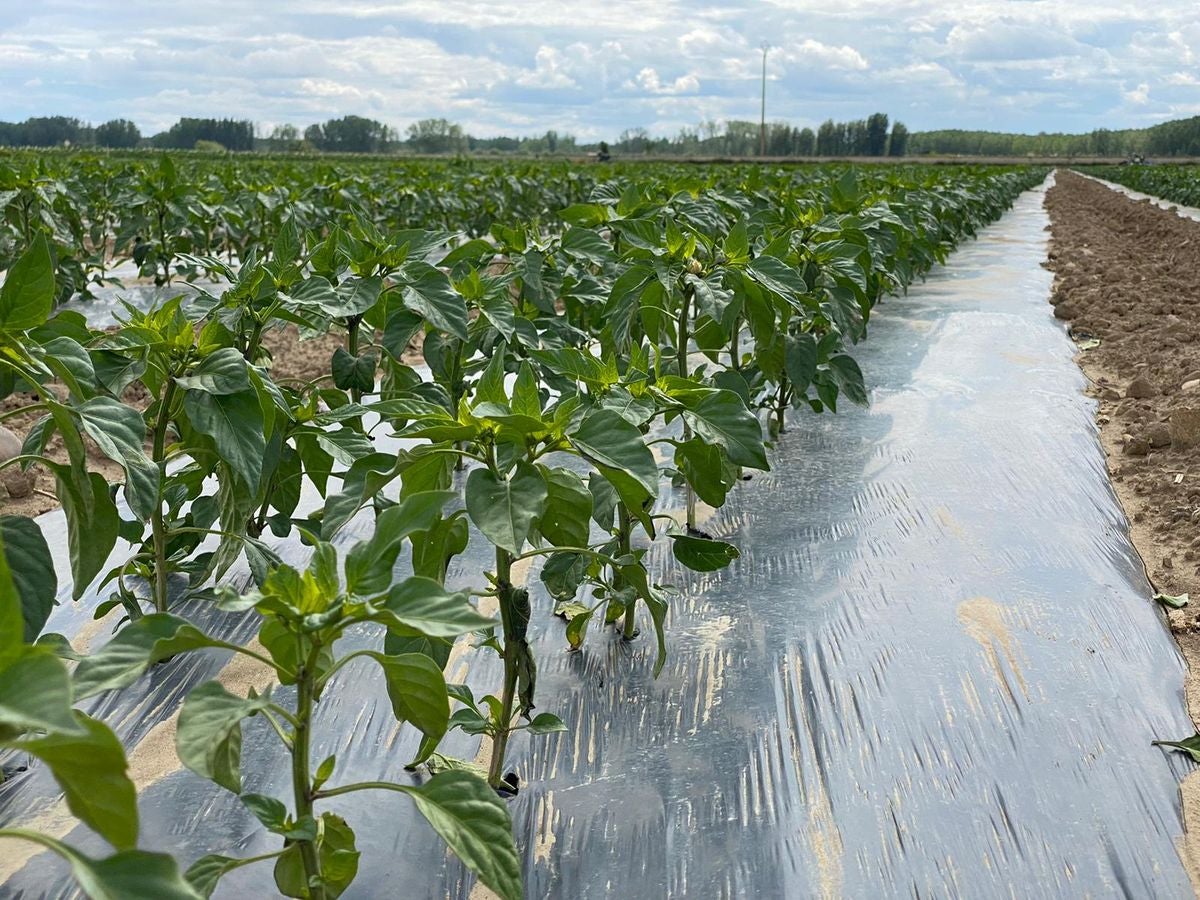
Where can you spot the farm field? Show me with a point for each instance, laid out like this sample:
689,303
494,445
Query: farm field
540,529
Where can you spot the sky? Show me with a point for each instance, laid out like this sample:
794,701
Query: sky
593,68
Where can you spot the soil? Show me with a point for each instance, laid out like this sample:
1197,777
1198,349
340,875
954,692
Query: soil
292,360
1126,275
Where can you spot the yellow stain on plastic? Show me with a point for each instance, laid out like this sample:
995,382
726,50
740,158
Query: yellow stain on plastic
983,619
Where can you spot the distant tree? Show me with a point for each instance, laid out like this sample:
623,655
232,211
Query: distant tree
50,131
117,133
876,136
633,140
229,133
806,142
354,134
285,137
828,143
898,142
436,136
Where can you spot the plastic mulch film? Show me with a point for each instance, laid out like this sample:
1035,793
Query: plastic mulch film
934,671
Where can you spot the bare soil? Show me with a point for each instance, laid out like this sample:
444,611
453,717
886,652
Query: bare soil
1127,276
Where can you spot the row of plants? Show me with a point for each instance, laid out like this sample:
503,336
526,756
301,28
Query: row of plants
1177,183
670,311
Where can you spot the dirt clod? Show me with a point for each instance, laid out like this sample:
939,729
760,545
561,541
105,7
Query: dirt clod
1120,262
1185,427
1141,389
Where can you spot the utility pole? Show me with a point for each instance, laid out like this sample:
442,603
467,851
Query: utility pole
762,125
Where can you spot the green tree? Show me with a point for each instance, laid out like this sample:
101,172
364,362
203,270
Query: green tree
118,133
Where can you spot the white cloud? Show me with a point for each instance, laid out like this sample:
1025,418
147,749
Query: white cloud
1140,95
594,67
815,53
648,80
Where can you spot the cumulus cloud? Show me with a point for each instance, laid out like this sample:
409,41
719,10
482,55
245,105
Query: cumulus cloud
648,80
595,67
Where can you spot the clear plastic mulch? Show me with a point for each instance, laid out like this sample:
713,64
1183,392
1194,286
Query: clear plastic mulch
934,671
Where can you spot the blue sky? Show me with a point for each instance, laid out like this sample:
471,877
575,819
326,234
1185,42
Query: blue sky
593,68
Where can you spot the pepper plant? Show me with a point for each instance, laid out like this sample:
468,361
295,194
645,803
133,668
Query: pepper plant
305,614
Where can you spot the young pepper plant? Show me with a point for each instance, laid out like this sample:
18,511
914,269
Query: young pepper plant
304,615
37,719
514,497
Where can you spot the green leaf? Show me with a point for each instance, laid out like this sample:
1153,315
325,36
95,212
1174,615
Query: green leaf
800,360
417,690
1190,746
235,424
490,388
90,767
128,875
369,564
563,573
545,723
704,466
35,692
209,737
604,500
204,874
525,398
776,275
27,295
702,555
604,437
353,372
337,856
31,568
849,378
421,606
475,824
430,293
13,626
399,329
566,521
135,648
92,522
67,358
1175,602
120,433
220,373
504,509
720,417
435,547
268,810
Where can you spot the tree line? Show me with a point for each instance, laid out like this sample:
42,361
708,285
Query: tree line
736,137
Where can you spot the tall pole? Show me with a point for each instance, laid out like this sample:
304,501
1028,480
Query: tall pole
762,125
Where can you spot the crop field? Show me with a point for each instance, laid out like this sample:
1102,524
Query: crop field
536,385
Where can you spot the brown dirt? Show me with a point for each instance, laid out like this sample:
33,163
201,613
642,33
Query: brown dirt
1126,274
292,360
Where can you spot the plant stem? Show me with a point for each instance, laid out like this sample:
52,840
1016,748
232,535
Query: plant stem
735,356
681,359
505,595
158,526
352,323
624,536
302,792
456,393
781,403
252,345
